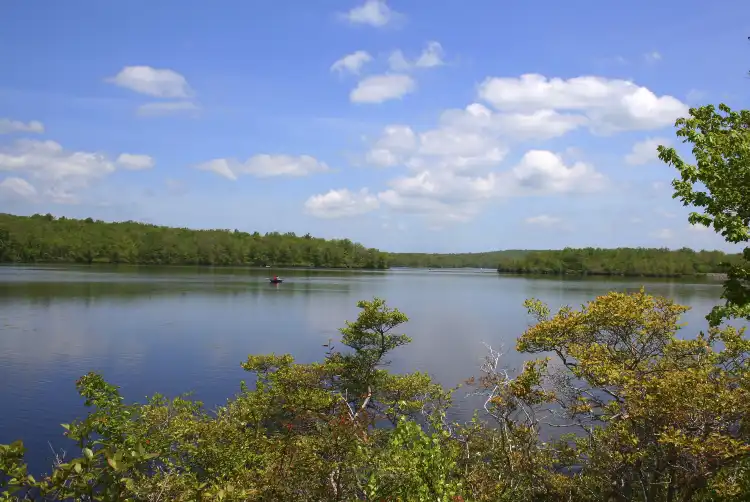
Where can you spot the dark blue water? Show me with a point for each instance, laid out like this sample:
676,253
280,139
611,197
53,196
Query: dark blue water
184,329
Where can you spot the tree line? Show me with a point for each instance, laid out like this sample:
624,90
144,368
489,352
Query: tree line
641,262
46,239
452,260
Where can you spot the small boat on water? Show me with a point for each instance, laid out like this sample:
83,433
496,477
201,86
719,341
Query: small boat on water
276,280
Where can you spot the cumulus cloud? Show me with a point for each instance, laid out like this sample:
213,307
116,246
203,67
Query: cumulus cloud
544,172
265,166
135,162
393,147
351,63
341,203
448,193
610,105
8,126
644,152
158,82
16,188
59,173
373,12
380,88
431,56
167,108
398,62
466,139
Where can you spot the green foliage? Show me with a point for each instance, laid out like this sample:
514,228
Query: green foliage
636,262
414,465
640,262
452,260
370,335
45,239
718,186
662,418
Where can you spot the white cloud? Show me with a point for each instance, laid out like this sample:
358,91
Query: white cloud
265,166
221,167
447,193
544,172
466,139
698,229
543,220
393,147
610,105
17,188
663,233
398,62
372,12
352,63
380,88
162,83
135,162
644,152
341,203
431,56
58,172
8,126
652,57
167,108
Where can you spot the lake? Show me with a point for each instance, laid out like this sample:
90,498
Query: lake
178,329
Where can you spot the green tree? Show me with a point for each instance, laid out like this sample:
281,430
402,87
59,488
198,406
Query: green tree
660,418
718,186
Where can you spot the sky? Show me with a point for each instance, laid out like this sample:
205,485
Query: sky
405,125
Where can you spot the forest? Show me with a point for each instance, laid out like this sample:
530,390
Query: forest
643,262
452,260
46,239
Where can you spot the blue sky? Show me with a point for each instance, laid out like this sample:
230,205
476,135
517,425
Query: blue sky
406,125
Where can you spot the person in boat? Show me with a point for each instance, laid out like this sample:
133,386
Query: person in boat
275,277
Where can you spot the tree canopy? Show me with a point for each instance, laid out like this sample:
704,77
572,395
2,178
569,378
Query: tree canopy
620,261
717,185
44,238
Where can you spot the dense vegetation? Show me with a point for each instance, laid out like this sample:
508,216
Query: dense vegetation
718,186
44,238
452,260
620,261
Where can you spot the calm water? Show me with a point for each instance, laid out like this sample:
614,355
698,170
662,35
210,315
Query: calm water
185,329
